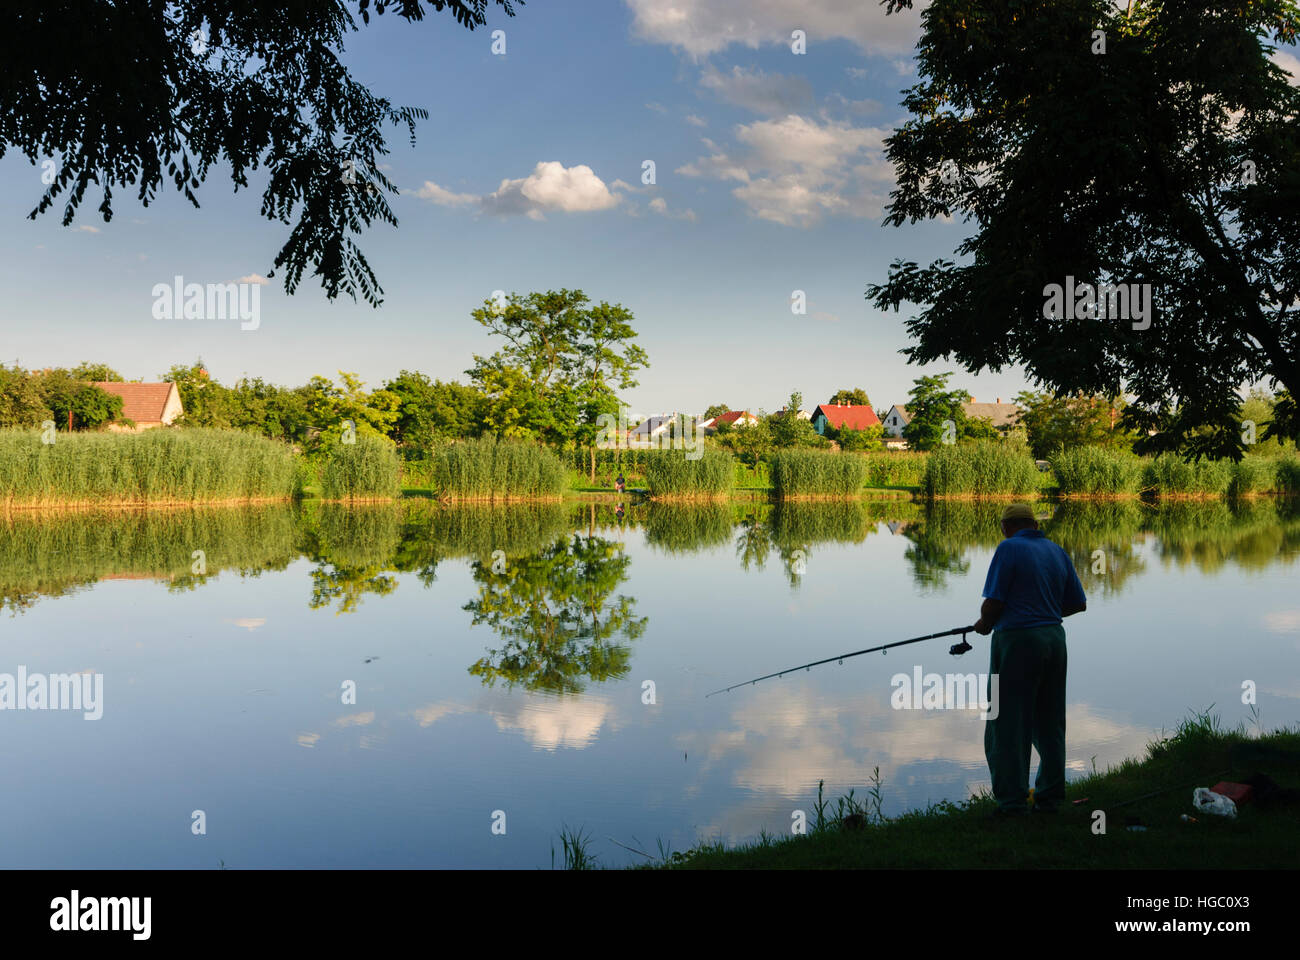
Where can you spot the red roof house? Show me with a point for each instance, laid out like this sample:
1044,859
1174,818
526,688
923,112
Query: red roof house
148,404
837,416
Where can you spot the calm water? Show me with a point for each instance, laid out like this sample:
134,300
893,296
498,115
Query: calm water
515,681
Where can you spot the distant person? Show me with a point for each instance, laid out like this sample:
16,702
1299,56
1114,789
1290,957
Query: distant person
1031,586
619,483
618,513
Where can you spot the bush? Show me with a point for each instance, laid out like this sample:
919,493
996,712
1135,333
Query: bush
669,473
156,466
982,468
1097,470
365,470
491,469
804,473
1286,477
1171,474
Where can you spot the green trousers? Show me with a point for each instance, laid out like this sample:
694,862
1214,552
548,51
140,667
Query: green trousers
1030,667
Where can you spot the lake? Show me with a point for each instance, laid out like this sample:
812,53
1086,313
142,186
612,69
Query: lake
417,685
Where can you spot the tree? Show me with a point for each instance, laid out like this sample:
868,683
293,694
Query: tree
717,410
563,359
1170,160
430,411
856,397
204,401
100,372
932,406
1054,422
788,429
21,402
868,438
74,403
201,83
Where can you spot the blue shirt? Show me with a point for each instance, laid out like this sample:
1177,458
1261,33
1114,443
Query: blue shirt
1034,579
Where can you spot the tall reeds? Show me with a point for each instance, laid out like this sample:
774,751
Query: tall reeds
156,466
365,470
817,473
980,469
670,475
491,469
1097,471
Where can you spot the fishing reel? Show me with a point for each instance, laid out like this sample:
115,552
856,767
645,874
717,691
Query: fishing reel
957,649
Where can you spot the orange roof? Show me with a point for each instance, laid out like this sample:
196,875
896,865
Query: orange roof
141,402
853,416
731,416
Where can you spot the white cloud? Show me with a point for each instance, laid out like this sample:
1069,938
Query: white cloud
856,73
261,281
660,206
444,198
656,107
767,93
550,188
695,121
703,27
86,228
795,171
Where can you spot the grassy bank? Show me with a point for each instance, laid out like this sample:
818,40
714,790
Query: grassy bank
852,833
154,467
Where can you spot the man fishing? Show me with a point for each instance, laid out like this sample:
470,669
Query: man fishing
1031,585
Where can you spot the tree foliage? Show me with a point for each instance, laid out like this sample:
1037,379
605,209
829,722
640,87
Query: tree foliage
148,96
1171,159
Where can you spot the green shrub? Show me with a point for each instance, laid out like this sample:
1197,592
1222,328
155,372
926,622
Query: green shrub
365,470
982,468
491,469
1171,474
1097,470
156,466
669,473
804,473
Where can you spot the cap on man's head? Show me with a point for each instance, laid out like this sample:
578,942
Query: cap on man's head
1017,511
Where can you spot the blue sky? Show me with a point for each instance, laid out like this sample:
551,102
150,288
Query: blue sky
527,176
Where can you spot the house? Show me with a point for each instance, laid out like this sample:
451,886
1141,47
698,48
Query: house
895,420
737,418
148,404
652,427
837,416
1005,416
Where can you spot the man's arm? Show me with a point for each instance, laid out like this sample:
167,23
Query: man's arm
990,611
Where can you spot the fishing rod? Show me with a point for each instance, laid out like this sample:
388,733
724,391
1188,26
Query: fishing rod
957,649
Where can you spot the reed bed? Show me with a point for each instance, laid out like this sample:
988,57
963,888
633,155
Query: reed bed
1097,472
670,475
980,469
368,469
896,468
817,473
154,467
491,469
1171,475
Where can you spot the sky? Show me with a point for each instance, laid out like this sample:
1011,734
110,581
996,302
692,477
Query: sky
528,175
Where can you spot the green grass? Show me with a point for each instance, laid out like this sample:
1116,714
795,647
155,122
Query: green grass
670,475
491,469
980,469
853,833
1097,471
365,470
817,473
161,466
